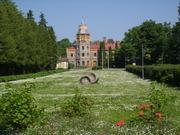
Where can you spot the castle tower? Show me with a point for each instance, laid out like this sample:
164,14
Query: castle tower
83,46
83,34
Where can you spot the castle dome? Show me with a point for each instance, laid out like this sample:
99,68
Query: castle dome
83,29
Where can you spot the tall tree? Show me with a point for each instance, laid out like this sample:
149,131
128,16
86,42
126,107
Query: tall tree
24,46
42,21
101,54
52,48
61,47
174,47
110,53
30,15
11,29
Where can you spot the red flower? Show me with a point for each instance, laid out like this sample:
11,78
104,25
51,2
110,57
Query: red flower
158,115
141,114
120,123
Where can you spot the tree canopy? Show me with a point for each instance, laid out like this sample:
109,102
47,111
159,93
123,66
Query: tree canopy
25,46
61,47
153,37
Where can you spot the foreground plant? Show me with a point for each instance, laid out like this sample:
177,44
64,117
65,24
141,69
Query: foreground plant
78,105
18,109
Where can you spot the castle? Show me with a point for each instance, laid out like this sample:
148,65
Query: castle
84,53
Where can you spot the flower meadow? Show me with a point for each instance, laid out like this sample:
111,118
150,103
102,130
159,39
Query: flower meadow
120,103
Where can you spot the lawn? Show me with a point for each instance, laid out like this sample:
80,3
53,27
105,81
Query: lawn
115,97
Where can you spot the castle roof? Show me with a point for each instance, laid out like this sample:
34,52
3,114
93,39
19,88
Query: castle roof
72,48
94,46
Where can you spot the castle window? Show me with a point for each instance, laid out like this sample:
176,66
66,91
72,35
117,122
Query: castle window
82,47
72,55
94,54
87,54
82,54
83,63
88,63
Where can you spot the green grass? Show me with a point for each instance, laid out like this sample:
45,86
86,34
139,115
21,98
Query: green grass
115,97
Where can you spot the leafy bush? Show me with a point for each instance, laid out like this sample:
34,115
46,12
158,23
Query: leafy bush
78,105
18,109
169,74
156,110
159,98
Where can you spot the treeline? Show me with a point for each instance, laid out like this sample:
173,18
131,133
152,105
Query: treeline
157,43
106,58
25,46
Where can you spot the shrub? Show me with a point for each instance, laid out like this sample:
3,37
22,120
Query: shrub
166,73
78,105
159,98
18,109
156,110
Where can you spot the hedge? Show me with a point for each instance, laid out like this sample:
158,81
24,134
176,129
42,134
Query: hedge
166,73
32,75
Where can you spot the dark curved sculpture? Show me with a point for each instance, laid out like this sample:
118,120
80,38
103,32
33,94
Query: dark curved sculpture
89,78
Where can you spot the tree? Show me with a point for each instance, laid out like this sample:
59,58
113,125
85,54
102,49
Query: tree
52,48
24,46
42,21
110,53
61,47
30,15
174,47
101,54
154,37
11,30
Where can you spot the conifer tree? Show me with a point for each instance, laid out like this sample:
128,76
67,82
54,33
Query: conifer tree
42,21
30,15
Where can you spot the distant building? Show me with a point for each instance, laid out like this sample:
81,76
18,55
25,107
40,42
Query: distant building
84,53
62,63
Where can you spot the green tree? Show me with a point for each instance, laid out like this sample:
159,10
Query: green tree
30,15
153,37
11,31
110,57
42,21
61,47
174,47
24,46
101,54
52,48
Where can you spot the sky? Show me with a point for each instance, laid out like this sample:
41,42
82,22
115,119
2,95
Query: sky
105,18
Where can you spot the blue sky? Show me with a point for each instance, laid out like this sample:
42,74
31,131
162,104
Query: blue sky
110,18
